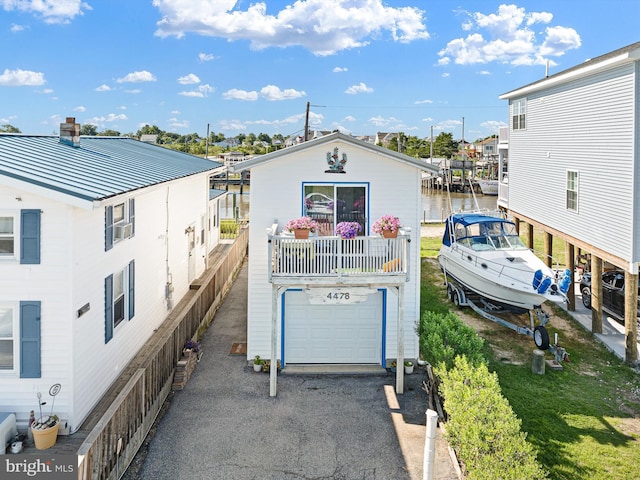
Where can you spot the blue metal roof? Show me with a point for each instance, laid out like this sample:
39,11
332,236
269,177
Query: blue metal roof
100,167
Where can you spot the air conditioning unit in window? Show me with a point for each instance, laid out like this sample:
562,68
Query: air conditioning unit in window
122,231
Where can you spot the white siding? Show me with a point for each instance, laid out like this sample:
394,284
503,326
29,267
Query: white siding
588,126
276,196
73,268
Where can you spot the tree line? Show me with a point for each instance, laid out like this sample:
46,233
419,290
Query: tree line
444,146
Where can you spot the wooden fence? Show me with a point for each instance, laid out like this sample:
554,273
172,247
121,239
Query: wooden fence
146,382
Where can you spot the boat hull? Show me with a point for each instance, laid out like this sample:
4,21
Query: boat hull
488,187
493,276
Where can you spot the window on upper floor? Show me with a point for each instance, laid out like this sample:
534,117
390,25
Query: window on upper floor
20,236
119,222
20,338
572,190
119,298
330,204
7,236
519,110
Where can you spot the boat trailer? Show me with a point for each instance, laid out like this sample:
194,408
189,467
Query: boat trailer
540,335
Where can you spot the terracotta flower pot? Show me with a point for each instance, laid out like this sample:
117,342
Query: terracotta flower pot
390,234
301,233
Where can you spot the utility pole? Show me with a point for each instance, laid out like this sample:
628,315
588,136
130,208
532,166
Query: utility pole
306,123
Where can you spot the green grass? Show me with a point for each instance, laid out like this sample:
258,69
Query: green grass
583,420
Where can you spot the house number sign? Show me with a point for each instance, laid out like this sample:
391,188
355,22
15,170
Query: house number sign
338,296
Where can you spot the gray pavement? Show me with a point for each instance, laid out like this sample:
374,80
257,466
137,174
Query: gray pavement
224,425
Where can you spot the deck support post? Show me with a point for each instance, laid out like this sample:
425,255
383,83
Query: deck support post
548,249
630,317
571,266
273,371
596,294
400,341
530,236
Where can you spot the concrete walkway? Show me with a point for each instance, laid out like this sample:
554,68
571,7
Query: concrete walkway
224,425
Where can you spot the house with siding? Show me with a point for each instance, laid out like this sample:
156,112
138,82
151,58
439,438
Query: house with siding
574,166
325,301
99,238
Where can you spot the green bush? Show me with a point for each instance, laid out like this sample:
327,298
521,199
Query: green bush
443,337
482,427
229,228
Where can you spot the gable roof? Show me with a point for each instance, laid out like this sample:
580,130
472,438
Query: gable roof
99,168
336,137
603,62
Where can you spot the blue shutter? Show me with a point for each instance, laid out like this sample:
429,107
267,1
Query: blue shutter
30,236
132,216
108,308
108,228
132,284
30,340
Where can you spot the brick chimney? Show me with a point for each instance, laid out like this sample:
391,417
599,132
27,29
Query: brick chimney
70,132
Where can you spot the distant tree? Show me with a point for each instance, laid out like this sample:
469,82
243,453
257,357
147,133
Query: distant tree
149,130
241,138
444,146
250,139
7,128
263,137
109,133
88,129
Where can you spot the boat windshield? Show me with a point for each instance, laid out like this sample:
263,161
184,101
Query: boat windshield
498,235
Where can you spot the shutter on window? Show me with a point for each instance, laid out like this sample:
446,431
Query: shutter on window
108,228
132,216
30,340
132,284
30,236
108,308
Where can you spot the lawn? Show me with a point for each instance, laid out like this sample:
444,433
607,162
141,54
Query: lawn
583,420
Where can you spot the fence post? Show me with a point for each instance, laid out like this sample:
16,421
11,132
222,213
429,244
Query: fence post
430,445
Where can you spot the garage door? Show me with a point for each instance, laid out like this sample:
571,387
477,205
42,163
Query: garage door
332,333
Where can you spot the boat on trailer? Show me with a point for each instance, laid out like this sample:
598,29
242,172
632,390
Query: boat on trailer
488,186
488,267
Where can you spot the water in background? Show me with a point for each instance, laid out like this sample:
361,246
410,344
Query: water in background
435,204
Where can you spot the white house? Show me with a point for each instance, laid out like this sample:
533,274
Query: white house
327,301
99,238
574,162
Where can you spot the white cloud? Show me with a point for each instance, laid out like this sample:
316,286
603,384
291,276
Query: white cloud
189,79
51,11
205,57
422,102
484,72
122,107
201,91
137,77
427,119
232,125
46,91
340,69
322,26
20,78
174,123
273,93
349,118
235,94
506,37
175,112
17,28
360,88
133,91
110,118
80,108
103,88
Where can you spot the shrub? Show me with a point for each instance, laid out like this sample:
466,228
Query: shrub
229,227
482,427
443,337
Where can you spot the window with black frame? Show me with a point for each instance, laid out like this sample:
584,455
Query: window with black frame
330,204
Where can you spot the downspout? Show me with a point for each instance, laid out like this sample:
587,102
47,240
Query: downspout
168,293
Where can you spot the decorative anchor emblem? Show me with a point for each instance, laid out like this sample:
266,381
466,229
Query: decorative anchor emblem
336,164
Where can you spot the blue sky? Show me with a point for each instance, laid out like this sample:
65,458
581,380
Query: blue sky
365,66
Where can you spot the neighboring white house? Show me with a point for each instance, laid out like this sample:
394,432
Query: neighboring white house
99,238
574,161
326,300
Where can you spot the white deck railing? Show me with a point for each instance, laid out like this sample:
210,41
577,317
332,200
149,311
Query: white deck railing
336,258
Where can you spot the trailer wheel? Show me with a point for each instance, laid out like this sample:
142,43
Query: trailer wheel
456,299
450,292
541,337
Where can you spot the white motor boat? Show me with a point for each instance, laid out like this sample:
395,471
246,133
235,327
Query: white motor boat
482,253
488,187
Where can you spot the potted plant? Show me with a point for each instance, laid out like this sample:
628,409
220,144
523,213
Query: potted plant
257,363
408,367
45,429
387,226
348,230
301,227
192,348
